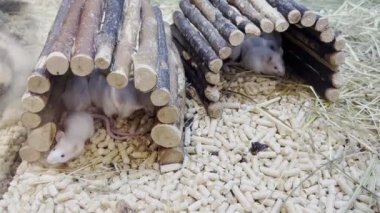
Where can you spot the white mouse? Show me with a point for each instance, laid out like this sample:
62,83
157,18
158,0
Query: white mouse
78,128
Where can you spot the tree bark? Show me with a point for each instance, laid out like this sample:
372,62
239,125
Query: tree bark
197,42
235,17
217,42
107,37
122,66
57,62
280,23
229,31
252,14
39,81
145,60
287,10
82,63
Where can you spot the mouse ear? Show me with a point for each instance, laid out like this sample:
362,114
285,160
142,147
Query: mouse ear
59,135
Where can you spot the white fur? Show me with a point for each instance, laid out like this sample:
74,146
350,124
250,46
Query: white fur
79,127
77,95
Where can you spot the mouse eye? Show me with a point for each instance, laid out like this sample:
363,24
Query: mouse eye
62,156
275,67
271,47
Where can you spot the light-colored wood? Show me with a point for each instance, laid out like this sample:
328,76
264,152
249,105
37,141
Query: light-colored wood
339,43
332,94
41,139
160,97
57,62
166,135
287,10
321,24
31,120
170,155
280,23
168,114
212,78
29,154
34,102
327,35
212,93
308,18
122,66
215,110
145,60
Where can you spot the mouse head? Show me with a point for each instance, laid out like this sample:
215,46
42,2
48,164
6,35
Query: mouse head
65,150
274,64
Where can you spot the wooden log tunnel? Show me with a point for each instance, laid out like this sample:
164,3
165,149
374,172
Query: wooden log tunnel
312,49
106,35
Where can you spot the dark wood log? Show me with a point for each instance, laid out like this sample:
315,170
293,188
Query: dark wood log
216,41
308,17
323,87
229,31
57,62
160,96
235,17
252,14
326,36
39,81
199,44
145,60
325,51
126,47
82,63
107,37
287,10
280,23
321,24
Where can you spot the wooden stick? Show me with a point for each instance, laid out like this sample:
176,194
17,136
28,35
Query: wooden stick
217,42
166,135
40,139
34,102
252,14
160,96
325,51
82,63
235,16
339,43
229,31
170,155
321,24
326,36
107,37
287,10
39,81
57,62
121,68
197,42
29,154
308,17
145,60
310,75
280,23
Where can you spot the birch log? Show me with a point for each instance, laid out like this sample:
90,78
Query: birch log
251,13
34,102
145,60
39,81
57,62
122,66
82,63
280,24
308,17
321,24
29,154
40,139
107,37
229,31
235,16
287,10
197,42
216,41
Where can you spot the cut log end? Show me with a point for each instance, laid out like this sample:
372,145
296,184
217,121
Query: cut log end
215,110
321,24
294,16
308,19
57,63
332,94
266,25
337,80
117,79
38,84
236,38
30,120
224,53
168,114
82,65
212,78
160,97
212,93
103,57
215,65
166,135
33,103
145,78
251,29
170,156
281,25
28,154
340,43
337,58
327,36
